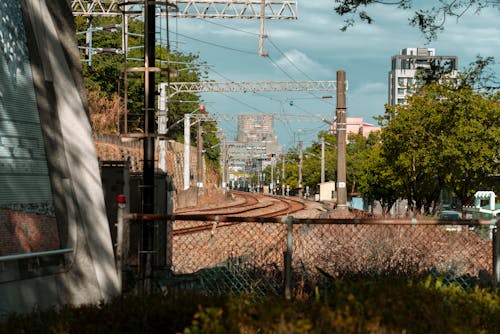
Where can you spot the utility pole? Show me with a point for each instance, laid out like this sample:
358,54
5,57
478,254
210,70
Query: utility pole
162,131
199,158
148,184
283,175
300,169
187,146
225,166
272,173
322,159
341,142
224,162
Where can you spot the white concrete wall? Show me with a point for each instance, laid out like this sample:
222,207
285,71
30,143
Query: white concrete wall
87,275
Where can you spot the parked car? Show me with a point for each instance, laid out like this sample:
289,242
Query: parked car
450,214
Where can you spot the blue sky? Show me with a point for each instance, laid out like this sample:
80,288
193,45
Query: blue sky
313,48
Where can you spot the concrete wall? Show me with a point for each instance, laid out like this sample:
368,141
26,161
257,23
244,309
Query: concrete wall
86,274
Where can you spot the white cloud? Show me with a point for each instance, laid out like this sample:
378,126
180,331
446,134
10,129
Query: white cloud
316,46
297,63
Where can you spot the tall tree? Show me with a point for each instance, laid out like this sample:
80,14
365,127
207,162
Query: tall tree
447,136
104,81
377,180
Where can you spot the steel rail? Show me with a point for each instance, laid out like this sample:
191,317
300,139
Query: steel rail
248,201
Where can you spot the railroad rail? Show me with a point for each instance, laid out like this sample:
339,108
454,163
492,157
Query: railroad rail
254,205
235,207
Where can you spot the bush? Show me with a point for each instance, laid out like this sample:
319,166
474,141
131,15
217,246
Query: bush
385,306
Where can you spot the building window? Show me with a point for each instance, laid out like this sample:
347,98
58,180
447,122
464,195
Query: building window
401,101
401,91
401,81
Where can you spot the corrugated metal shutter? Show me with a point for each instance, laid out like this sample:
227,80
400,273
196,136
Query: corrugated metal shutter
24,177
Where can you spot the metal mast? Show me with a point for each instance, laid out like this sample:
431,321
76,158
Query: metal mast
341,143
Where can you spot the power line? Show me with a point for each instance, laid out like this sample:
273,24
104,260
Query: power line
288,59
230,28
280,68
214,44
243,103
285,122
291,78
294,65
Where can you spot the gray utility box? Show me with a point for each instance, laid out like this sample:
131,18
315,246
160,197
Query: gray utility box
118,180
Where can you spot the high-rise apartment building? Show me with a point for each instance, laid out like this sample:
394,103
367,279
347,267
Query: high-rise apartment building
406,65
255,141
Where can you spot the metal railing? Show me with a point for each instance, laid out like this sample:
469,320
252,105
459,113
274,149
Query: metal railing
23,256
287,255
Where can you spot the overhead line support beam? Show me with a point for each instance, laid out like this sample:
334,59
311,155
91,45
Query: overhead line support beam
248,87
238,9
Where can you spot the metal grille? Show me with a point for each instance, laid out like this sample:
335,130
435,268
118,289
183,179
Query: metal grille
249,257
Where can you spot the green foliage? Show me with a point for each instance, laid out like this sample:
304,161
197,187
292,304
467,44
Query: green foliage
354,306
447,136
105,74
369,173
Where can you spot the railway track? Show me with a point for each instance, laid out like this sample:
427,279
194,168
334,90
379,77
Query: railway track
251,205
247,200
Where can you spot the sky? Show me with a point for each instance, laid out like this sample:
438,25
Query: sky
313,48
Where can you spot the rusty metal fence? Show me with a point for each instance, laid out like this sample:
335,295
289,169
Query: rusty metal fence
231,255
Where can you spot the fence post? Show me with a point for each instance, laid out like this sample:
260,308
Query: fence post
121,201
496,255
288,256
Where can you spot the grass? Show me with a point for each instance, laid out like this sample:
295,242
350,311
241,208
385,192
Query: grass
386,306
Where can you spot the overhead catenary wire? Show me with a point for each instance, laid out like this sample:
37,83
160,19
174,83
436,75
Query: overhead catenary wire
215,44
229,27
286,122
295,66
288,59
252,53
273,61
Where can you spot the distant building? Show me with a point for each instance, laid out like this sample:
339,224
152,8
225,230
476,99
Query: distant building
254,144
406,65
356,125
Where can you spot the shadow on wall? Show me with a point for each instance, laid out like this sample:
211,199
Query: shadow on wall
87,274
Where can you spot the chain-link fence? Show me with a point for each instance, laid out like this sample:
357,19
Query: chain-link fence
459,253
297,255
